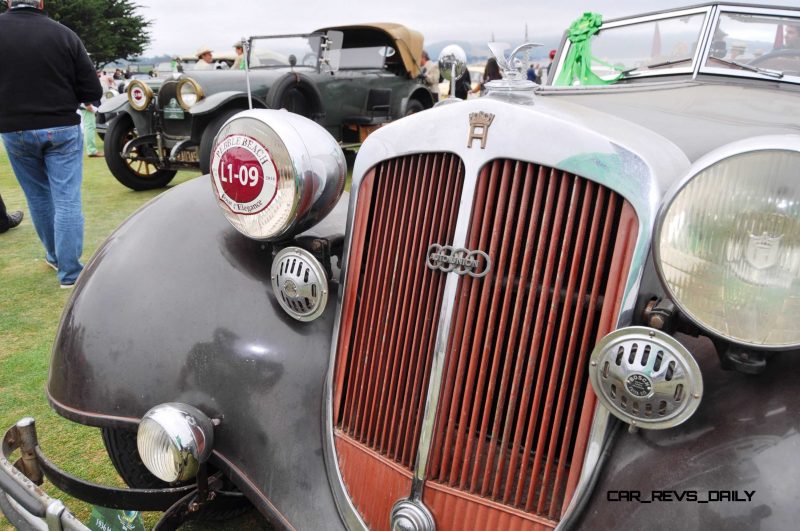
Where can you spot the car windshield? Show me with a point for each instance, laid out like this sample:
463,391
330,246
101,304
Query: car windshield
270,52
304,51
665,45
764,44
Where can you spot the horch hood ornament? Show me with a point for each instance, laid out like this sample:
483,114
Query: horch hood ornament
479,123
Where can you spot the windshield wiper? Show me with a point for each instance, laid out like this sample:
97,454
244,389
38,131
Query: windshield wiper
744,66
638,69
670,62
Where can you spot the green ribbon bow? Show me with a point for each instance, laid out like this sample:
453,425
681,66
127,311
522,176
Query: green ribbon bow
578,64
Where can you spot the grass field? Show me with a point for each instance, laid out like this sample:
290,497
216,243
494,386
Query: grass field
30,310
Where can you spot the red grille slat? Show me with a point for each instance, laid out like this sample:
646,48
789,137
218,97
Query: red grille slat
429,327
370,274
515,394
514,406
400,218
491,218
375,394
397,308
577,266
415,269
518,301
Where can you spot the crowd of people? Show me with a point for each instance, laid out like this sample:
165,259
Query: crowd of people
431,77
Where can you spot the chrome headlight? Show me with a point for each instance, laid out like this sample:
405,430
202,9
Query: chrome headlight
275,173
189,93
173,440
727,243
139,95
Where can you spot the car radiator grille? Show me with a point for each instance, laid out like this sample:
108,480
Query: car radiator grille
514,407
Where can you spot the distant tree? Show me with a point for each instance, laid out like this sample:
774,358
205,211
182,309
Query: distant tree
110,29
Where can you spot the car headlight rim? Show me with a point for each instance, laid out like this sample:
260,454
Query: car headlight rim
783,144
139,100
197,93
275,173
173,440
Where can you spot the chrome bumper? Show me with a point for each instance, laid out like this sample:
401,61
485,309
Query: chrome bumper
25,504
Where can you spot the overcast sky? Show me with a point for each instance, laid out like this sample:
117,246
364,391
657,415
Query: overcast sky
181,26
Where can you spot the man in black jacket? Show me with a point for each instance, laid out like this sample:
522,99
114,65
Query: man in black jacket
45,74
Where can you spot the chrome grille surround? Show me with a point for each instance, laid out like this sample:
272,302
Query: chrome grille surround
564,140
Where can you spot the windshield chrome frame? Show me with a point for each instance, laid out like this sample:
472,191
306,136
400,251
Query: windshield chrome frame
690,69
254,38
731,72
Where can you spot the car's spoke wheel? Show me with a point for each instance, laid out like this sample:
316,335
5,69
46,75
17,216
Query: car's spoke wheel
139,173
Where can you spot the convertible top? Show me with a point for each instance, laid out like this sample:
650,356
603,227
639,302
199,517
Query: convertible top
405,40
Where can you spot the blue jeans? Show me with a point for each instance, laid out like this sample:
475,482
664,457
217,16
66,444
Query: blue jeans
48,164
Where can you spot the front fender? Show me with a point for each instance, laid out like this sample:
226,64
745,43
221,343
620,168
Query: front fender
116,104
220,99
731,466
177,306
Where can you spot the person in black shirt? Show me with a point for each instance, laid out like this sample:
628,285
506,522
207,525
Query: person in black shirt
45,75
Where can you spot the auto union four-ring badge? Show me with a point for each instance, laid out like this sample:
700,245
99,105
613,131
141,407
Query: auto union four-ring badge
457,260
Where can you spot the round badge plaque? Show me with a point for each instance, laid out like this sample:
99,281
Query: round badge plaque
638,385
244,174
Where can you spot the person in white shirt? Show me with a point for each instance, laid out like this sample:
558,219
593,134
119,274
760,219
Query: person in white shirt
205,59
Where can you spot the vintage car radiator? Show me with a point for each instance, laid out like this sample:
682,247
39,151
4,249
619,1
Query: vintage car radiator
515,406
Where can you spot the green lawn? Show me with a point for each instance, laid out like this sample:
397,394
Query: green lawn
30,310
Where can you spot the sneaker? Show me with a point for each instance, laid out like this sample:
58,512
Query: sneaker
52,265
14,219
67,285
95,155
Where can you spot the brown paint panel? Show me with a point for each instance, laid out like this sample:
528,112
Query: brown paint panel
373,482
454,510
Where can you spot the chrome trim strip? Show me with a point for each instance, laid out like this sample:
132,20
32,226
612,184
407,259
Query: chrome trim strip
443,334
347,511
545,133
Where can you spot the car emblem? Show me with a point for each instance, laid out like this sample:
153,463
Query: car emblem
457,260
479,123
763,251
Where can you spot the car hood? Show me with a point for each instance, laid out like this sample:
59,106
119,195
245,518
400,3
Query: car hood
696,116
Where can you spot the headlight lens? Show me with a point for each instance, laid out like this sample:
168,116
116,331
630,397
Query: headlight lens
139,95
728,248
189,93
275,173
173,439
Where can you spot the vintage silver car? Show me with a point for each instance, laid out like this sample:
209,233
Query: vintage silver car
349,79
576,309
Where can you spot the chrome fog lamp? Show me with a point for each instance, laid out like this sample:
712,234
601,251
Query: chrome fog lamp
727,243
139,95
189,93
275,173
173,440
